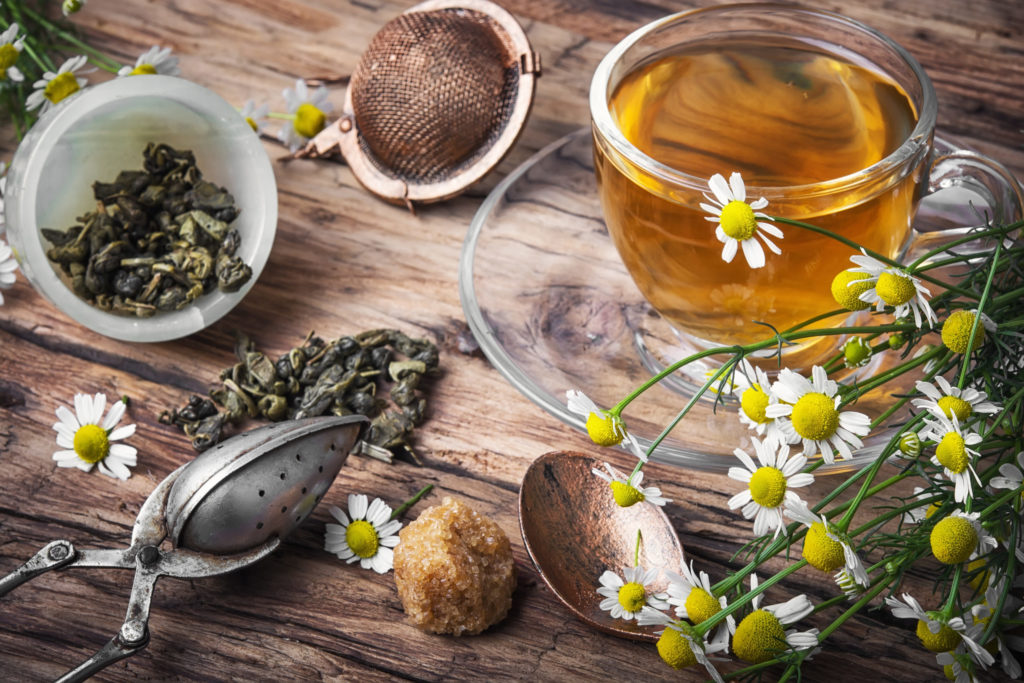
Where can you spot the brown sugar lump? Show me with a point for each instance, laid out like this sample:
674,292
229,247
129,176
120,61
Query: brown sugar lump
454,570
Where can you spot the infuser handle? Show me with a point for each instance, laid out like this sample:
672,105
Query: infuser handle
54,555
134,633
120,646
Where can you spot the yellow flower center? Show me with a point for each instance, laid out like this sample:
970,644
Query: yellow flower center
603,429
8,56
956,332
759,637
309,120
943,641
701,605
91,443
894,289
626,495
61,86
953,540
738,220
932,509
768,487
753,402
820,551
947,671
143,70
675,649
632,597
980,580
252,124
815,417
952,453
951,405
362,538
846,289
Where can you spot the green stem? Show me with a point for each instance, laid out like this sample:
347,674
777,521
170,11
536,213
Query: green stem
98,58
709,623
400,510
977,317
875,255
963,240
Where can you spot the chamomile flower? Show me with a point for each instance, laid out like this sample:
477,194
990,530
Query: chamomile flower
87,437
956,667
690,594
1011,476
155,60
738,224
625,597
678,645
11,45
826,547
894,287
812,407
367,537
921,513
761,635
755,395
856,353
310,114
936,632
55,87
956,330
3,190
848,584
953,453
255,116
629,490
847,286
8,266
960,537
945,400
768,486
603,428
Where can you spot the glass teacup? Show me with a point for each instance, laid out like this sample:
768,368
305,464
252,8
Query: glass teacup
827,120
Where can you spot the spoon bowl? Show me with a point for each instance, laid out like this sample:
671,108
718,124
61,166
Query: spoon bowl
574,531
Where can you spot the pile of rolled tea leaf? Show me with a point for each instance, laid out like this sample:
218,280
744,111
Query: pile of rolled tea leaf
158,239
338,377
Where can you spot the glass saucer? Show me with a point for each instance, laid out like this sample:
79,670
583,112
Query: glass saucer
553,309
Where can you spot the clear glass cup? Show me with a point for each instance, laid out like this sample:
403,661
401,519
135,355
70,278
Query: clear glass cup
803,159
103,130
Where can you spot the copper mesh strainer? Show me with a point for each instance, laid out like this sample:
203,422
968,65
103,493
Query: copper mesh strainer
438,98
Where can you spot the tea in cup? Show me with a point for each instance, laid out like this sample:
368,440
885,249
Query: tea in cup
799,113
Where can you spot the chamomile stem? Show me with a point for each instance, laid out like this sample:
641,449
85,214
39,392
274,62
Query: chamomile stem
400,510
977,318
96,57
875,255
1011,567
891,374
954,590
973,237
709,623
756,346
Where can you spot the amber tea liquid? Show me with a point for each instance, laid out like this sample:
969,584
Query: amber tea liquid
782,114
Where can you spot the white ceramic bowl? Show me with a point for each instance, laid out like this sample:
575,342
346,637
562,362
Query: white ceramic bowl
103,130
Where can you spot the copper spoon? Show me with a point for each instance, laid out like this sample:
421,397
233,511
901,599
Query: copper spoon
574,531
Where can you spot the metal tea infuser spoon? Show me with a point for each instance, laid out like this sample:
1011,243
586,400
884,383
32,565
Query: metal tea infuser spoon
226,509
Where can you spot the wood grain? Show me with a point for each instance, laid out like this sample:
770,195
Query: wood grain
344,262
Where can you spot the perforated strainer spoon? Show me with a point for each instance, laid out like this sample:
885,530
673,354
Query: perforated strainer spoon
226,509
438,98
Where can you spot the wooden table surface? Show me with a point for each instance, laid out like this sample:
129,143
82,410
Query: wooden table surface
302,614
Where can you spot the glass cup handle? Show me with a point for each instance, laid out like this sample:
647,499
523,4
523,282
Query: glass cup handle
969,190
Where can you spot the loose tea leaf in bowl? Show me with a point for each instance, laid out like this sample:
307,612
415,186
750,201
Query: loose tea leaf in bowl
159,238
